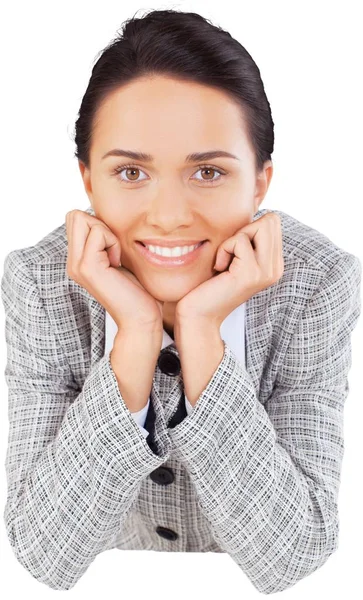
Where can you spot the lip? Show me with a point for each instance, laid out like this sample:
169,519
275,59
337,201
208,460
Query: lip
170,261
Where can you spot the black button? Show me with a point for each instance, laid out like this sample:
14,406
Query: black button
169,363
162,475
166,533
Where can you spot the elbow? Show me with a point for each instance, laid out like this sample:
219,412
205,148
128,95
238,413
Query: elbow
30,551
283,584
280,585
317,542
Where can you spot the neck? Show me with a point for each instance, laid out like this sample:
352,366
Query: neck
169,317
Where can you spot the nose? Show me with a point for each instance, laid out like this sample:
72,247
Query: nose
169,210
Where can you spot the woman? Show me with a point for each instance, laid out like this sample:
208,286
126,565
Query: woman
210,379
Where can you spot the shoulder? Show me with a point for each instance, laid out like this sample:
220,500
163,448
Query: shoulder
319,277
302,242
50,251
47,255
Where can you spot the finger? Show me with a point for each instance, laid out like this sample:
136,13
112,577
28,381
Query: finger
264,241
273,226
236,248
80,225
262,235
101,246
79,228
222,261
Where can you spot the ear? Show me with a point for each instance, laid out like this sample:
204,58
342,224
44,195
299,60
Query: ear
86,177
263,181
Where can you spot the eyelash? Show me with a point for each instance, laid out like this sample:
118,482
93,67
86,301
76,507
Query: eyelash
121,168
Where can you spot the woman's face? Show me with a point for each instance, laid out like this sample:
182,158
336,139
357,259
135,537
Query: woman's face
170,197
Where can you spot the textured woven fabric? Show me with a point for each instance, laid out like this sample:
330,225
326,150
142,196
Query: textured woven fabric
253,471
232,331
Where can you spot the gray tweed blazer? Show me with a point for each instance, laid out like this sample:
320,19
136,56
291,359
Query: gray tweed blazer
253,471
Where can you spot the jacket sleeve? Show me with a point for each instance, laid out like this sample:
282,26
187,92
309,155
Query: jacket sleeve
140,415
75,459
267,477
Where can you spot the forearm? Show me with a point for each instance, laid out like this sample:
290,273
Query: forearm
248,479
201,349
133,359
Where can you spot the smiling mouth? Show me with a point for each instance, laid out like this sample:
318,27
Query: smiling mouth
170,248
170,261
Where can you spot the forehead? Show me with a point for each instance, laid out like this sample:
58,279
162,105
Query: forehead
155,111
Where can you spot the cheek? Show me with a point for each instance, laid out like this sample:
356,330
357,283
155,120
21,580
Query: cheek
126,241
235,222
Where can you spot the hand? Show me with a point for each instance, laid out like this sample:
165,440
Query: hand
256,263
94,261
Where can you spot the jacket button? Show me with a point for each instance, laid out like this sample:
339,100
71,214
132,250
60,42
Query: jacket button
166,533
162,475
169,363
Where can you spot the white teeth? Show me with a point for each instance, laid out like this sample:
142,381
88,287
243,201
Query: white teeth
177,251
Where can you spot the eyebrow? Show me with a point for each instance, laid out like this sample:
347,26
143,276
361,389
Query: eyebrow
193,157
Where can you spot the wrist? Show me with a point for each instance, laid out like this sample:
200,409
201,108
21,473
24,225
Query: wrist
199,342
196,332
141,342
142,332
194,324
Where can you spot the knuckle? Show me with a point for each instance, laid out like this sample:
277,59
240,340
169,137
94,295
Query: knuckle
276,218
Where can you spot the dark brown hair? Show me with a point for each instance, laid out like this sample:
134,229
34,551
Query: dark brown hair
186,46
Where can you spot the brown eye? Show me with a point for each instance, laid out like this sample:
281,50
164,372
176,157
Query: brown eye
210,172
132,173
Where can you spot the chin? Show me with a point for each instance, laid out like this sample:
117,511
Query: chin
169,291
167,296
171,285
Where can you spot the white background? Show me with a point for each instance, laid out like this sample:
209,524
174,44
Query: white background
309,55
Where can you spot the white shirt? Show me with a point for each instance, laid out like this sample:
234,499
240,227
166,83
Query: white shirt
232,331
